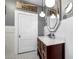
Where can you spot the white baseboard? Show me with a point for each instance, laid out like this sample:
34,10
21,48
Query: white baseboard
9,28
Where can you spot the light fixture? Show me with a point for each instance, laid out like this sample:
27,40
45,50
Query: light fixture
68,8
42,14
52,16
50,3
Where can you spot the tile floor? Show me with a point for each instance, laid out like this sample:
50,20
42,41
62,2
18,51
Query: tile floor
31,55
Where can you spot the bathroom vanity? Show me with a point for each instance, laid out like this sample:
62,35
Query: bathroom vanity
51,48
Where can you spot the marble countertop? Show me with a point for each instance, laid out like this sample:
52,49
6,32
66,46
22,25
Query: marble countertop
48,41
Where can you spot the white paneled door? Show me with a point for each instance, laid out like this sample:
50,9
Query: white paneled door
27,31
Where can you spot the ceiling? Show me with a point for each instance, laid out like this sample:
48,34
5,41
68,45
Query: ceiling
37,2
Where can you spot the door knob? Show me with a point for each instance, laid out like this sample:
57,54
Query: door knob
19,36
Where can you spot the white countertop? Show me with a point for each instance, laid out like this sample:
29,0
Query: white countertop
48,41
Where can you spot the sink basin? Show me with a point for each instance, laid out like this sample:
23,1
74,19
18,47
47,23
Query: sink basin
49,41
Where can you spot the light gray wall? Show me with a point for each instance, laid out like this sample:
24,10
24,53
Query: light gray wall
10,7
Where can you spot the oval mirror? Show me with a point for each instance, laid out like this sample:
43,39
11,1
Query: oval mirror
53,22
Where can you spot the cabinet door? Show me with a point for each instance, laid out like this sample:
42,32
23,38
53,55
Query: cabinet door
27,31
56,51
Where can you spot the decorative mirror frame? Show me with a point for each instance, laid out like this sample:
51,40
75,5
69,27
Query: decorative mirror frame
70,12
55,11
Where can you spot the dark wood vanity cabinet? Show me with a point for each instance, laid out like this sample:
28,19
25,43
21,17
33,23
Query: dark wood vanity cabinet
56,51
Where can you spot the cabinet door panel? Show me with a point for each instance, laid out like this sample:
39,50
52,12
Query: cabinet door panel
55,52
